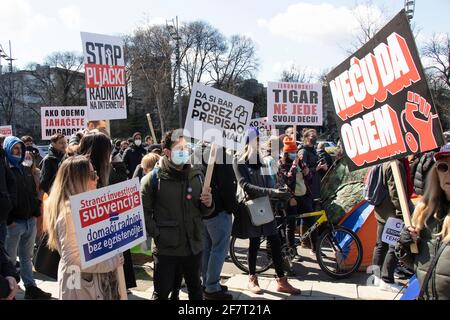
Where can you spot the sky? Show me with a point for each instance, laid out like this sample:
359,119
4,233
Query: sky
311,34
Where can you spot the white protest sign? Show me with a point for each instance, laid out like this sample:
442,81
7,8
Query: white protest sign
63,120
6,130
218,117
108,221
294,103
391,232
105,76
265,129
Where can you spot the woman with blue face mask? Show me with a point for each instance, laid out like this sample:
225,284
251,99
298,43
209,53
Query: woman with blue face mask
174,203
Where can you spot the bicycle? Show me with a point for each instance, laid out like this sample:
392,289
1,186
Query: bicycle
338,249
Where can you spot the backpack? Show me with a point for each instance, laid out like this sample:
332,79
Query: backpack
375,190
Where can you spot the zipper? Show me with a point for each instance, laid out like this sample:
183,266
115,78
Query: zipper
433,274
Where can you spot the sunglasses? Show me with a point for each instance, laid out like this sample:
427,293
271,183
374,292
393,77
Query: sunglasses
93,175
442,167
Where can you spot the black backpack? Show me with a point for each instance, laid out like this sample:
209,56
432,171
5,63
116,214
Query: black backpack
375,190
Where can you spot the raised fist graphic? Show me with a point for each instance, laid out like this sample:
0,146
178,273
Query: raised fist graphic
424,128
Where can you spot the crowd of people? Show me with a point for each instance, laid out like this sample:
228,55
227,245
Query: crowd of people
191,225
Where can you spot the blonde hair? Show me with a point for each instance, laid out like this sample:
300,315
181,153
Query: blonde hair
72,178
430,204
149,161
306,132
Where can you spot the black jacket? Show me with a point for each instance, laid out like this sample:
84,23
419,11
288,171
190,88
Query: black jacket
27,204
254,185
132,157
118,173
420,171
49,168
8,186
438,287
7,269
224,185
311,158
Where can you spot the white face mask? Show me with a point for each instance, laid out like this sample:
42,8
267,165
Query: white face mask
138,142
27,163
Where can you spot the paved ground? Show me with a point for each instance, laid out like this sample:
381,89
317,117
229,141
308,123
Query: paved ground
315,285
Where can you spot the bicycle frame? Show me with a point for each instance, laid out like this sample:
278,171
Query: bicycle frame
323,219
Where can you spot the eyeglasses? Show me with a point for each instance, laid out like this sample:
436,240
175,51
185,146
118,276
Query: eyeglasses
442,167
93,175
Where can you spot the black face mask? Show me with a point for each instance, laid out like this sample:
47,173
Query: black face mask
29,148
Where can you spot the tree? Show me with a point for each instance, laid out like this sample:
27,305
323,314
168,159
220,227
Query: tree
296,74
199,42
150,66
236,63
435,55
10,93
59,82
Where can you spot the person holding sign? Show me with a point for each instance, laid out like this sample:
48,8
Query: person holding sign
174,205
431,230
384,254
76,175
252,184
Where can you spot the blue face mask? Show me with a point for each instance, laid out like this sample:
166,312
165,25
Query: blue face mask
180,157
292,156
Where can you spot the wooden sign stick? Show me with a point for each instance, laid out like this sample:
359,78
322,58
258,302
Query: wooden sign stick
403,200
150,124
210,168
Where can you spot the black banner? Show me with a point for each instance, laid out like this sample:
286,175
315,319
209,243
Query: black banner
384,109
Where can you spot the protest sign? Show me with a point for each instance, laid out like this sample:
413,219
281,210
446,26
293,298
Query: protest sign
384,108
108,221
63,120
294,103
6,130
105,76
391,231
218,117
264,128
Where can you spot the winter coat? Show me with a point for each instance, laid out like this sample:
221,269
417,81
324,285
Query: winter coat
27,204
390,206
7,269
98,282
254,185
224,185
8,188
118,173
424,165
49,168
311,158
438,287
173,215
132,157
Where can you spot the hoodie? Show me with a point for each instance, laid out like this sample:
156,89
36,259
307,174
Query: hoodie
27,204
8,145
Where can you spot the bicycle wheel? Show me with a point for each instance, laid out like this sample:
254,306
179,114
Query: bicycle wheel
339,252
239,254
